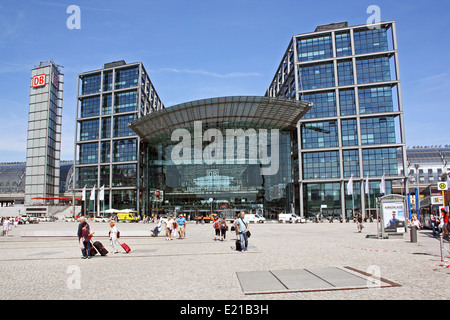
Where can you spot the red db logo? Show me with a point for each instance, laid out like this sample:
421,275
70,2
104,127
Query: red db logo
38,81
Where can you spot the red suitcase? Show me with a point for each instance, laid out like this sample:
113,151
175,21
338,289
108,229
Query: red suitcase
125,247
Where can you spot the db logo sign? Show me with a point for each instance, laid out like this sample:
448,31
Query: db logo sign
38,81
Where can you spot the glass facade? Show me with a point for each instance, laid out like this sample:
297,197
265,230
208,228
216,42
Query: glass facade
106,148
350,74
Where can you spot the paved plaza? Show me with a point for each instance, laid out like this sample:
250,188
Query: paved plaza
284,262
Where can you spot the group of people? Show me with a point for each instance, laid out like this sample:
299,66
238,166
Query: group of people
174,227
241,225
439,223
85,234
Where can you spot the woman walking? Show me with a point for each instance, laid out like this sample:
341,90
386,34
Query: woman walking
223,229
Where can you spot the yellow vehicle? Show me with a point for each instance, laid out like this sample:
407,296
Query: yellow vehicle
127,217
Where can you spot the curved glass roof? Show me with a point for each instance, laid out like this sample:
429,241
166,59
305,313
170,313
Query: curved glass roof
245,111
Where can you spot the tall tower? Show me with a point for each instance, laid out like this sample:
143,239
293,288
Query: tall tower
44,132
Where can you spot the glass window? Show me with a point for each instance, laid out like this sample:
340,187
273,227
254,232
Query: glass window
121,128
370,40
126,78
317,194
105,151
124,175
324,104
104,176
88,130
90,107
347,102
90,84
124,150
377,162
319,135
345,72
88,153
125,101
349,131
123,199
343,44
351,163
314,48
375,99
377,130
86,176
321,165
106,128
373,69
106,104
317,76
107,81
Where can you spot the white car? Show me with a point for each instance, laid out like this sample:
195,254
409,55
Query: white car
255,218
289,217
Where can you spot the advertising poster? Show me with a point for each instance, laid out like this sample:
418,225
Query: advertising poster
394,216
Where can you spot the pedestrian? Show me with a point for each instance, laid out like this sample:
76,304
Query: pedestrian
414,222
242,227
433,222
16,221
359,221
169,225
6,224
113,236
444,219
174,228
216,228
157,229
223,229
181,226
85,240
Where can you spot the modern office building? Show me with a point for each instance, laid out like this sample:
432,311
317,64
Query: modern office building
108,153
356,127
44,132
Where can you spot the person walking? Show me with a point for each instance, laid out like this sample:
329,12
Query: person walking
85,240
6,224
113,236
444,218
216,228
359,221
181,226
433,222
223,229
169,225
243,229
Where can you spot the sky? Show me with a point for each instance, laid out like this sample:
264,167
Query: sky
197,49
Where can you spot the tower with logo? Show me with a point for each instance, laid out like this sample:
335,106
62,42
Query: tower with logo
44,132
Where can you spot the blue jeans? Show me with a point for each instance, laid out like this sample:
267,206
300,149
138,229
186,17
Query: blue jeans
244,240
87,249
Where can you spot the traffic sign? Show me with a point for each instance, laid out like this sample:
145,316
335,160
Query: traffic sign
442,185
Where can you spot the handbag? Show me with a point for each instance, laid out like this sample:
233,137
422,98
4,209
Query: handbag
248,232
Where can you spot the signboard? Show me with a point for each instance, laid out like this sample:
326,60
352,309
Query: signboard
38,80
394,219
442,186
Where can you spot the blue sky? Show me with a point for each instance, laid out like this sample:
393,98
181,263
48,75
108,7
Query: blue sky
208,48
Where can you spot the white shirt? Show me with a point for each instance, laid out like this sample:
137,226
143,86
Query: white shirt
113,233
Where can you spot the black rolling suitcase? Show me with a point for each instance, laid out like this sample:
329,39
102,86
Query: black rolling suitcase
100,248
238,245
93,251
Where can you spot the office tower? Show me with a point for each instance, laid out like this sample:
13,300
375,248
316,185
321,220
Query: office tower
44,132
107,151
356,127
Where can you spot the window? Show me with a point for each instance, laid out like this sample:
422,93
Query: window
324,104
377,162
106,104
345,72
370,40
321,165
349,133
106,128
107,81
377,130
343,44
125,101
375,99
88,153
374,69
105,151
121,128
314,48
90,107
88,130
317,76
350,159
126,78
87,176
124,150
319,135
347,102
90,84
124,175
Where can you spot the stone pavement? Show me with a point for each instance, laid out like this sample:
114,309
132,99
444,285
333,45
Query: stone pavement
43,261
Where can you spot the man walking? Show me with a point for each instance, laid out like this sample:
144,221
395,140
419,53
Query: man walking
181,226
242,228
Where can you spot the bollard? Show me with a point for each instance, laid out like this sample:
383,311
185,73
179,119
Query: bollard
413,234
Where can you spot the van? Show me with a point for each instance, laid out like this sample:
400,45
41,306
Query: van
289,217
255,218
127,217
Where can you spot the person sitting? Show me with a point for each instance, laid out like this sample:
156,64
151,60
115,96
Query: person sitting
157,229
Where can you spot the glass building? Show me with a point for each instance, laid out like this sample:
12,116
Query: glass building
44,133
356,126
108,153
222,154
